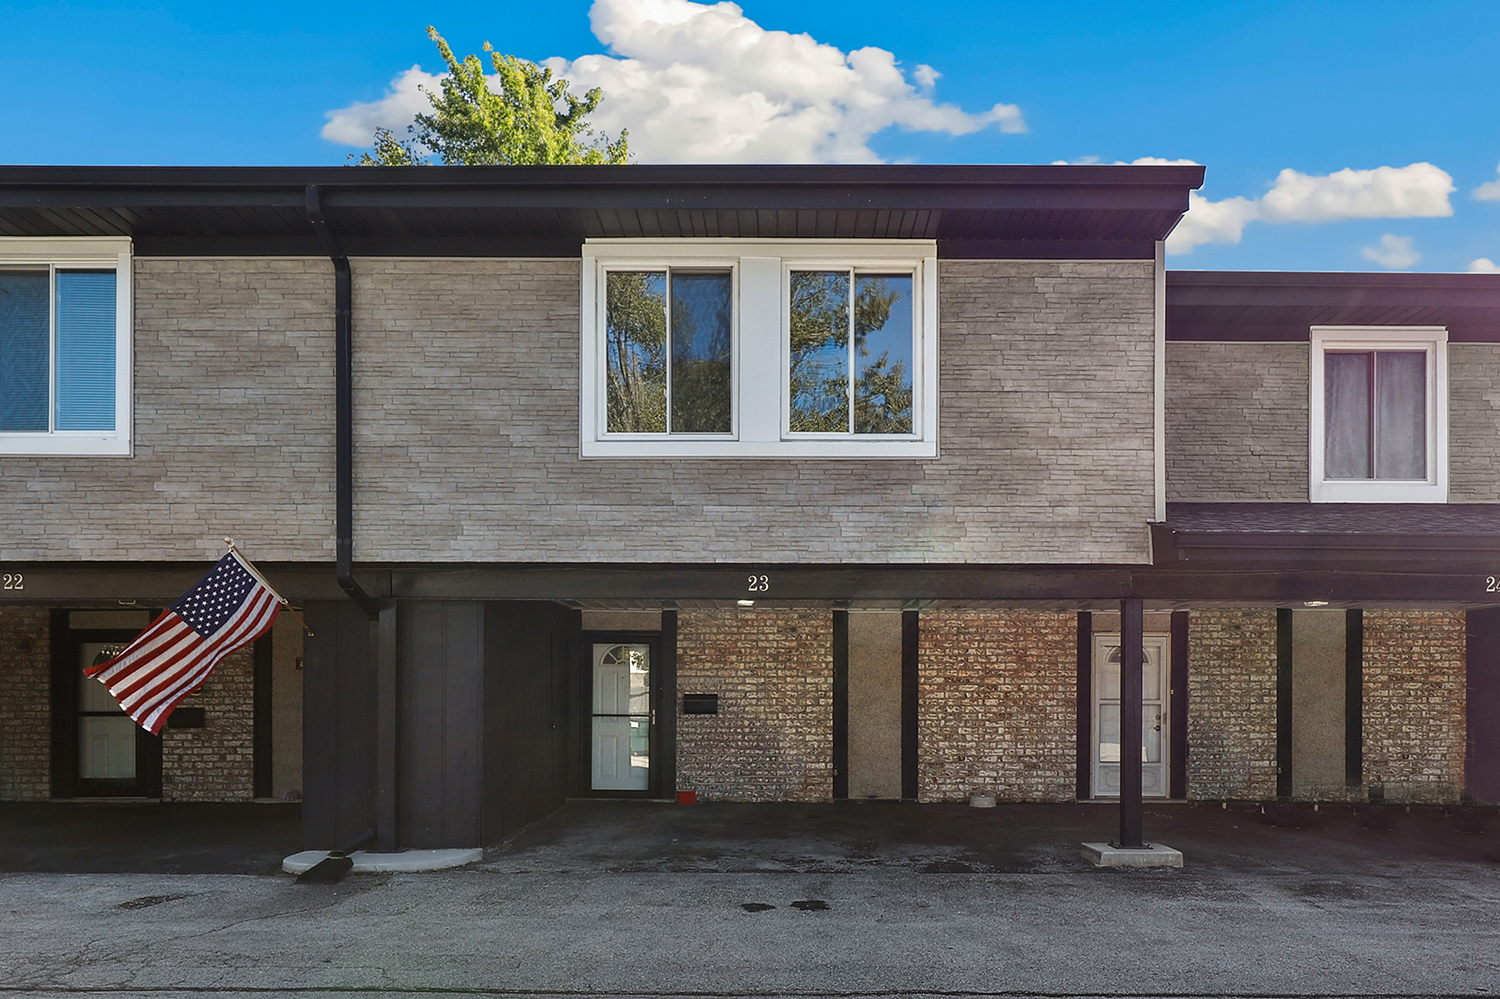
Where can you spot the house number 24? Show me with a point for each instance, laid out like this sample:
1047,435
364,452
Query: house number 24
12,581
760,584
1492,584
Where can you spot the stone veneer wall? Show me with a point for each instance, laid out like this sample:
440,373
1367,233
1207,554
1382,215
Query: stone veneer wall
216,762
25,707
772,739
997,703
1414,704
1232,704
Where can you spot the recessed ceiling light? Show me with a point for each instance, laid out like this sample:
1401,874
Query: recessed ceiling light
747,603
1315,603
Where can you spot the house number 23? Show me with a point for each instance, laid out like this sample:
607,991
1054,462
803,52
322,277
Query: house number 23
15,581
760,584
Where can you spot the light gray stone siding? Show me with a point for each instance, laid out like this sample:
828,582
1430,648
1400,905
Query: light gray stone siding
1474,422
1237,426
1046,426
466,430
1237,422
233,426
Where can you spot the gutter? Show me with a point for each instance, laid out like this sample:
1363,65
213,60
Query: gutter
343,319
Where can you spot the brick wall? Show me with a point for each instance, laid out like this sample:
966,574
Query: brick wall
1473,422
1232,704
25,705
1414,673
216,762
1236,422
997,703
772,739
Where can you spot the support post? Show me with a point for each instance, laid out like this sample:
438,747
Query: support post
387,792
1132,627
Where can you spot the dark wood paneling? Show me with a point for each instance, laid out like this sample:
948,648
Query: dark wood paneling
1177,782
1354,697
1283,703
1084,741
439,682
338,726
911,625
261,714
1482,763
531,649
841,704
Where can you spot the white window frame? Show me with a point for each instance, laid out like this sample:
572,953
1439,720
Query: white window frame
1431,340
65,253
760,408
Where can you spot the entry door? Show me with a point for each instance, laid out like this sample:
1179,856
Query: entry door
622,717
1155,687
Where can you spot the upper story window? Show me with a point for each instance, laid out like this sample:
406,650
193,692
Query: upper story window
745,348
1379,415
64,347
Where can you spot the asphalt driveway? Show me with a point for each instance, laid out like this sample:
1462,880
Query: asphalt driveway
637,899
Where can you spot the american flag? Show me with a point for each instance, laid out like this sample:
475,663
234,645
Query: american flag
224,611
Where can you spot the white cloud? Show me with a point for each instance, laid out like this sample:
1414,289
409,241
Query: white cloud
1490,191
1419,190
1483,265
1395,252
702,83
355,125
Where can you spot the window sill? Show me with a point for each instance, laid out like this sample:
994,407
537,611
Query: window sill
853,449
61,445
1372,491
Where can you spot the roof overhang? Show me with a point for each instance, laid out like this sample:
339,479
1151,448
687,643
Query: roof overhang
1452,539
1283,306
973,211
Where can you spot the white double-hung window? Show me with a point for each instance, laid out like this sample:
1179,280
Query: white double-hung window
757,349
1379,415
64,347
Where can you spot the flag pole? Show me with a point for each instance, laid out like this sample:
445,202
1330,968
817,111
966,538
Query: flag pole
242,560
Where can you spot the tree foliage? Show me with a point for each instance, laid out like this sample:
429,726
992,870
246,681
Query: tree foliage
474,124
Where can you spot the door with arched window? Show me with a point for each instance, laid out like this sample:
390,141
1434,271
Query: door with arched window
622,730
1155,719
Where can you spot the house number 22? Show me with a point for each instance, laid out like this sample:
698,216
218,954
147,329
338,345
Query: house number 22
15,581
760,584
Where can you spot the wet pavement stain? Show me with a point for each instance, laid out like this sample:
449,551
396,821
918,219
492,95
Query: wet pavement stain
755,906
811,905
146,901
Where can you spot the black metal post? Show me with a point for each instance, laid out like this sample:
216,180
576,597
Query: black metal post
1132,627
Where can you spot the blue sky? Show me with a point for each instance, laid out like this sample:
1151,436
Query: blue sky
1352,97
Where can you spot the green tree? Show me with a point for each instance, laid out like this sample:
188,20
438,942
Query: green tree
474,125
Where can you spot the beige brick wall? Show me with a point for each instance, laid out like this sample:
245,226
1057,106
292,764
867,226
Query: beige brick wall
216,762
772,739
1414,704
1232,704
997,705
25,705
1237,422
233,426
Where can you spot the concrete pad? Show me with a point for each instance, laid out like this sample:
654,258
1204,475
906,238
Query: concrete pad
1153,855
404,862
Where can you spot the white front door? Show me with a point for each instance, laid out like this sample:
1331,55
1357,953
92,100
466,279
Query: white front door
621,717
1155,688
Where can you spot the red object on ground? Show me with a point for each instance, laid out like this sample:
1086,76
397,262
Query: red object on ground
687,797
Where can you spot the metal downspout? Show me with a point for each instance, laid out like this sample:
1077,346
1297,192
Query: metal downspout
343,291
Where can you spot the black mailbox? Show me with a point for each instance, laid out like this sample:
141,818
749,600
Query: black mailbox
700,704
185,718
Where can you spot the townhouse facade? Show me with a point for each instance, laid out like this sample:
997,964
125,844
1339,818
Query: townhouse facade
771,483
